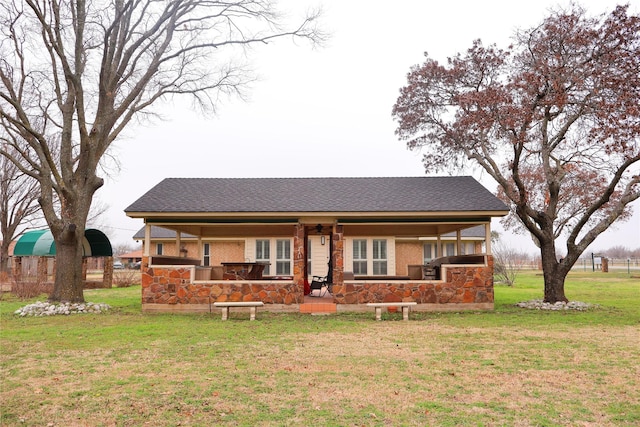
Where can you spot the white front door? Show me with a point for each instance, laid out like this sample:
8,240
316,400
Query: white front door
319,255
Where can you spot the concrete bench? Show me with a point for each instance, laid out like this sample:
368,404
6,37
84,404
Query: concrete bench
253,306
405,308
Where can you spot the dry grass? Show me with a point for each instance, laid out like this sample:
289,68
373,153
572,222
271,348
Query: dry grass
510,367
389,373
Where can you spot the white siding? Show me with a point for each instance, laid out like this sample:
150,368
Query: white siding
250,250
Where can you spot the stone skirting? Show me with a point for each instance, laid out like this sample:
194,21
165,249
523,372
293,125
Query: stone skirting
463,285
209,308
296,308
363,308
174,285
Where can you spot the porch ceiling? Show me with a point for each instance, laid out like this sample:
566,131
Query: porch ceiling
404,230
233,230
240,230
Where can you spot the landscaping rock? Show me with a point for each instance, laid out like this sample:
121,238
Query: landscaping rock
539,304
44,308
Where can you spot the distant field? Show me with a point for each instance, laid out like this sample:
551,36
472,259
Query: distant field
507,367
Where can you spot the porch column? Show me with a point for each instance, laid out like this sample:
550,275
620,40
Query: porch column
85,267
337,257
299,256
41,275
459,242
438,246
487,237
178,243
147,240
107,272
16,268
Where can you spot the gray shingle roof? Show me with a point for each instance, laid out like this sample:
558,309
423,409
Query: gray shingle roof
391,194
161,233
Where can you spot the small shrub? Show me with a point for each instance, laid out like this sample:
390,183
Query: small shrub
507,263
6,283
28,290
125,278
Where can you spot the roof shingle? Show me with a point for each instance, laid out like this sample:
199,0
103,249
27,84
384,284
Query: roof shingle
385,194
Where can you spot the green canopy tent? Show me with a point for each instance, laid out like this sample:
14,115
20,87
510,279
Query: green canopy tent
41,243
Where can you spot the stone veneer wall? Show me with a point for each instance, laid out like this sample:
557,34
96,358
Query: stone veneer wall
463,285
172,285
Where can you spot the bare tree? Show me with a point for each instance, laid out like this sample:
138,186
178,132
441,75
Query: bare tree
617,251
507,261
74,74
18,206
553,118
123,248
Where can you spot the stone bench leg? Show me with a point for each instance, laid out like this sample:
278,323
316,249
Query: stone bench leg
405,312
378,313
225,313
252,315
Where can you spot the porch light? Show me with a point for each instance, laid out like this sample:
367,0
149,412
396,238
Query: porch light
319,228
322,240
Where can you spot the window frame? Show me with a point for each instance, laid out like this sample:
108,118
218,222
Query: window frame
264,245
206,254
360,257
284,261
379,263
268,249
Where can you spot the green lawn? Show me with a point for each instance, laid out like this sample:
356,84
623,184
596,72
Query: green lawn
506,367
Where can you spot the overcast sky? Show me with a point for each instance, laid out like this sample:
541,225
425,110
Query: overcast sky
323,112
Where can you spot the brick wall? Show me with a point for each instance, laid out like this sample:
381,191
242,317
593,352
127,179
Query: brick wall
407,253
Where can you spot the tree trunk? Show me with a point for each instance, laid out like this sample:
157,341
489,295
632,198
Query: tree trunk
554,274
69,283
4,257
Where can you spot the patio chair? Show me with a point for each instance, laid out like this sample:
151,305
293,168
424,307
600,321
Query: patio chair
319,282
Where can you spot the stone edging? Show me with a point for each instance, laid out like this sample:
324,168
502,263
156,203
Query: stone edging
539,304
44,308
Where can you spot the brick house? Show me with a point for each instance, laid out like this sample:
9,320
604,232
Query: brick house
422,239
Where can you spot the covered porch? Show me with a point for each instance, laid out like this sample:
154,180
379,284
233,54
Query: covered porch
185,284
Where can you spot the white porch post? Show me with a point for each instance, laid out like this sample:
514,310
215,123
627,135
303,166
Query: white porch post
487,237
438,246
147,239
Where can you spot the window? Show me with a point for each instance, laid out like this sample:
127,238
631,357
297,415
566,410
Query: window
449,249
309,256
360,257
263,254
206,254
468,248
379,257
370,256
283,257
429,251
158,248
282,252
